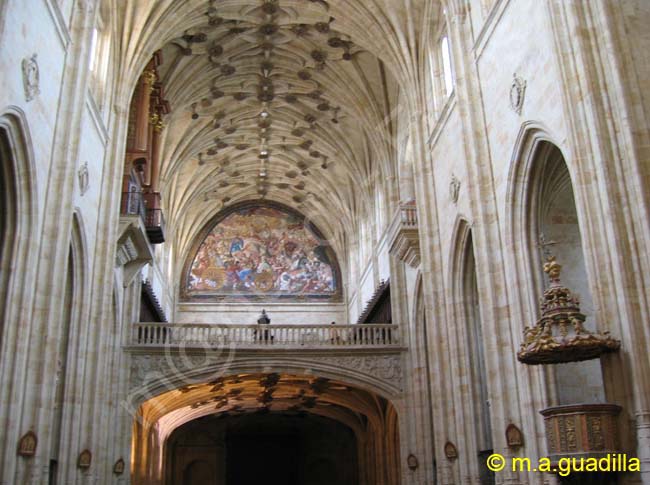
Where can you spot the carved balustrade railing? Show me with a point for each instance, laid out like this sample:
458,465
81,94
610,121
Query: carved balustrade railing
147,206
304,337
404,237
408,216
133,204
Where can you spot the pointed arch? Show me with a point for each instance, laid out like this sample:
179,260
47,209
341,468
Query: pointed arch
19,208
19,223
75,307
522,190
471,335
543,216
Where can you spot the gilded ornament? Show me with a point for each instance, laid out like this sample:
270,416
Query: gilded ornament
559,335
514,437
450,451
149,76
85,459
27,444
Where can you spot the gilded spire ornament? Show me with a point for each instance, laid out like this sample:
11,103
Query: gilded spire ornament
559,335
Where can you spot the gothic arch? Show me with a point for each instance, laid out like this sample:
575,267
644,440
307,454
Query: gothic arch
393,445
421,321
19,214
378,375
465,310
75,307
79,248
364,407
20,218
542,201
522,189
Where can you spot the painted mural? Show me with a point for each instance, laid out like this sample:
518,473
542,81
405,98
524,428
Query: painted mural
262,251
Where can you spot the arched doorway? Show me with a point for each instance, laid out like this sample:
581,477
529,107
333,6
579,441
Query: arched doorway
282,448
199,472
280,428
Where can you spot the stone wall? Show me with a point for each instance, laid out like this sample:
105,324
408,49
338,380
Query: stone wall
585,71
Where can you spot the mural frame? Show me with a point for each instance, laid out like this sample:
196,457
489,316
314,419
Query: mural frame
190,297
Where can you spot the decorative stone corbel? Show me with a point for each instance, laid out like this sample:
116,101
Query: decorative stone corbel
133,249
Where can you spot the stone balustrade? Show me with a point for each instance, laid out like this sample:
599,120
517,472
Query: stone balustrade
302,337
409,216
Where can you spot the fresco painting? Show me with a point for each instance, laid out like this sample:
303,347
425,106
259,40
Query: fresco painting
262,250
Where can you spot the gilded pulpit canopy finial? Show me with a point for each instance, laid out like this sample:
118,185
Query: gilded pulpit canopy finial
559,335
552,268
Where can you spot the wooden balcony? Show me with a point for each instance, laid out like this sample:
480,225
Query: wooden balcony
154,220
147,206
405,235
167,336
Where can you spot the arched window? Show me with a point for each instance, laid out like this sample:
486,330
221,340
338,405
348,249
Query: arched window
441,68
100,47
447,71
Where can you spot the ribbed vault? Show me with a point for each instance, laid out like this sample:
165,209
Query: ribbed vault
265,393
370,417
271,101
285,100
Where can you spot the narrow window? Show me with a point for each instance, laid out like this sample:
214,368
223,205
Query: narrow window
446,65
94,54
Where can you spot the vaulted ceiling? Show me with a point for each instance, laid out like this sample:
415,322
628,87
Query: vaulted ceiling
274,100
263,394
